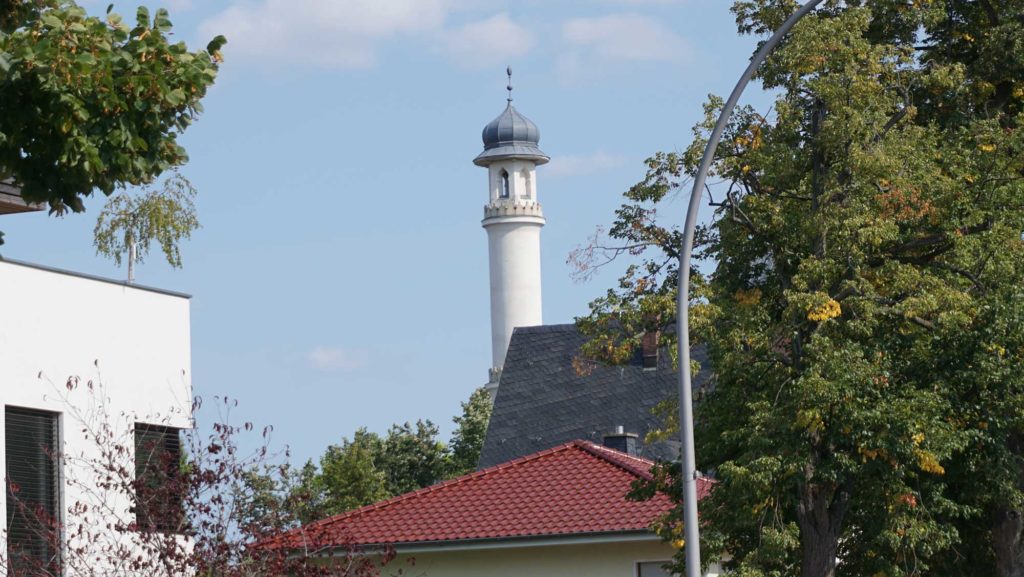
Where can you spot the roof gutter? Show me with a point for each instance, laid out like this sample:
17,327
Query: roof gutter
597,538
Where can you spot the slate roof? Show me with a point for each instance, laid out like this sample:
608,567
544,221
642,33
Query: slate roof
572,489
542,401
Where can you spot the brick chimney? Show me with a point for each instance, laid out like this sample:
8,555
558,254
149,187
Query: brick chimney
649,349
621,441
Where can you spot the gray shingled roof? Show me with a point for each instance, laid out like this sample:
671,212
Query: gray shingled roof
542,401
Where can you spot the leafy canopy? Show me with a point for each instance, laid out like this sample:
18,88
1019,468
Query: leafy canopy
863,314
369,467
90,102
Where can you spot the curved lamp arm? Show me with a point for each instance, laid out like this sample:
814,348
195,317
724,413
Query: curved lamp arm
692,534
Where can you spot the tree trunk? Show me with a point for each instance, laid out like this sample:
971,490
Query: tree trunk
820,514
1008,526
1007,542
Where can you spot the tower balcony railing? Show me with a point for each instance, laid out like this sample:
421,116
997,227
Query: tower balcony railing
512,207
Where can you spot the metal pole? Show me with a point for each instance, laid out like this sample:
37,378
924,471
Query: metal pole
131,261
692,534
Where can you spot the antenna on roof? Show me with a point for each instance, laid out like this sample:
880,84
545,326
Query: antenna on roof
508,70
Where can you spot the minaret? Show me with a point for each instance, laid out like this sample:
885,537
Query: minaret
512,219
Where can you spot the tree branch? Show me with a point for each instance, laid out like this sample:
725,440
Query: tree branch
924,323
962,272
938,238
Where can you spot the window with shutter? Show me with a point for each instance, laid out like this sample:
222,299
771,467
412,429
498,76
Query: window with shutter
158,490
33,492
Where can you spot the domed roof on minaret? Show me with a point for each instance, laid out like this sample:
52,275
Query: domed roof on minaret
511,135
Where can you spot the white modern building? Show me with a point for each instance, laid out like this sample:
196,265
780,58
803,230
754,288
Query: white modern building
76,350
513,219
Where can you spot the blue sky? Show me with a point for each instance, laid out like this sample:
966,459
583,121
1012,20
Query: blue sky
340,278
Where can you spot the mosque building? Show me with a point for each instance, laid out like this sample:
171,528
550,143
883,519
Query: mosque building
540,399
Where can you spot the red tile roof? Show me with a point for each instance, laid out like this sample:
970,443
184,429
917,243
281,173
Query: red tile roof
575,488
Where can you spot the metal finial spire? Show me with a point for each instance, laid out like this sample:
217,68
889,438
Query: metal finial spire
508,70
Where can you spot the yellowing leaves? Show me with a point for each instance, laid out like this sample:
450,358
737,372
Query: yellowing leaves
751,139
988,147
928,463
904,205
830,309
996,350
748,297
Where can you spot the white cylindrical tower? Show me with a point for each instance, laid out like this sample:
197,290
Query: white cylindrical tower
512,219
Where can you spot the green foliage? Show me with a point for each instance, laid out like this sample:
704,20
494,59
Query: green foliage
167,216
350,475
471,430
93,103
864,316
412,457
368,468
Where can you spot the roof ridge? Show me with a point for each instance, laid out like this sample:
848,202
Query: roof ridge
438,486
561,327
618,458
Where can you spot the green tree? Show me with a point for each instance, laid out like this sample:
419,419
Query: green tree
349,474
412,457
129,223
369,468
863,315
90,102
471,430
271,498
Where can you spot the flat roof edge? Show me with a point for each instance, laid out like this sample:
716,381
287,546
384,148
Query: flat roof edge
93,277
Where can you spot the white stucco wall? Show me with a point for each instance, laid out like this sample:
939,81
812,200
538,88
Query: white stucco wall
131,342
587,560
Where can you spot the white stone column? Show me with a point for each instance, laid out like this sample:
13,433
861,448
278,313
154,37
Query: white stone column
513,234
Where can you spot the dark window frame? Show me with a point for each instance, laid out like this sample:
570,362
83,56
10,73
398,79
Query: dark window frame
159,504
33,490
506,188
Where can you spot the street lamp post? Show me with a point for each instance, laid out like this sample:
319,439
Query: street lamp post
692,534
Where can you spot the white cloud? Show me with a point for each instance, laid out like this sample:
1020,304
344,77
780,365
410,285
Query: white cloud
336,33
488,42
576,164
337,358
616,39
